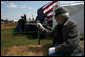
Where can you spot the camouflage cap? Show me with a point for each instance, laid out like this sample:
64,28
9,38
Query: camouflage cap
60,10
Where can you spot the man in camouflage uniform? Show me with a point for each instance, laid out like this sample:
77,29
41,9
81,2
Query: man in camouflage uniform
66,37
21,23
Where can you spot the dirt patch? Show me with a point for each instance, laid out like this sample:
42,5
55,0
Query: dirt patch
32,50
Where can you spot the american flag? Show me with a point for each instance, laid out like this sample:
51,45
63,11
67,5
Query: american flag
47,10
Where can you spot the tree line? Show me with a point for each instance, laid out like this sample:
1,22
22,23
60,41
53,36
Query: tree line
7,21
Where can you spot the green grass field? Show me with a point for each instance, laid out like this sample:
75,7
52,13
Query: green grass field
8,38
13,44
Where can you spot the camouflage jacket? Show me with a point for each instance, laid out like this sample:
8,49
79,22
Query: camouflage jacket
71,38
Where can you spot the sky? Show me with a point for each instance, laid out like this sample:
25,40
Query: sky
13,10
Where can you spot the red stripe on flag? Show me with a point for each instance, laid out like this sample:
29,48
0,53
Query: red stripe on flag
49,5
49,11
50,16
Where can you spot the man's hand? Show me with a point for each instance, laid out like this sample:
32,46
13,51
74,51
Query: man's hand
51,50
39,25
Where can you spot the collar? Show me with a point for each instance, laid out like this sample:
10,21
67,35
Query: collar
66,22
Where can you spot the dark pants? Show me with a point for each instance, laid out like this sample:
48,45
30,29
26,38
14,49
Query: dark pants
58,54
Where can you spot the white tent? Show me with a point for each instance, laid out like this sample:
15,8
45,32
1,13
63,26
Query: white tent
76,12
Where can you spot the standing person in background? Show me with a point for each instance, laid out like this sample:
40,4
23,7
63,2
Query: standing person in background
21,24
66,36
25,18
